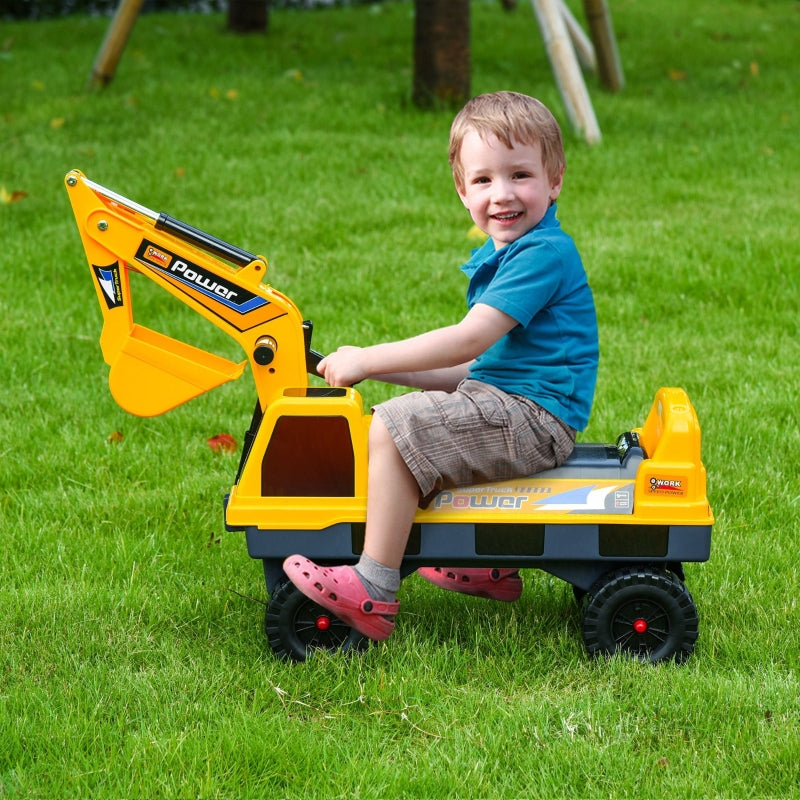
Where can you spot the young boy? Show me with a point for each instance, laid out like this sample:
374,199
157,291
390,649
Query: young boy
505,389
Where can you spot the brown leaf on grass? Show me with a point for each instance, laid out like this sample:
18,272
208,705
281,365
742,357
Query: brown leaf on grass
677,75
11,197
115,438
222,443
754,68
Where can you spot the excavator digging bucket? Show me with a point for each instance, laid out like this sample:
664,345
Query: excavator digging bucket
152,373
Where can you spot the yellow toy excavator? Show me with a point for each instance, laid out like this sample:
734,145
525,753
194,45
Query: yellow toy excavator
616,521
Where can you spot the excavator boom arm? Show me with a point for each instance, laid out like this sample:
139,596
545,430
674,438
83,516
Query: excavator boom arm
152,373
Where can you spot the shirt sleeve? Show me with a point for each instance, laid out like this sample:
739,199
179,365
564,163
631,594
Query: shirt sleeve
526,280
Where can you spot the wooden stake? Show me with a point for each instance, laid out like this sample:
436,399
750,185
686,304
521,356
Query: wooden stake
105,64
602,32
580,41
566,69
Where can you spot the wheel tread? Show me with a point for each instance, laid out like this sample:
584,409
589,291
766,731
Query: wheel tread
291,634
661,592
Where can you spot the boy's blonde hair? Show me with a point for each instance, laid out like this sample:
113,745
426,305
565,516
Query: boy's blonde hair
511,117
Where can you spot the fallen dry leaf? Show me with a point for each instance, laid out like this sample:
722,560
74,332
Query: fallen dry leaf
115,438
222,443
11,197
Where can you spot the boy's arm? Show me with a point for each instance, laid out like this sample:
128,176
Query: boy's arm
445,379
454,346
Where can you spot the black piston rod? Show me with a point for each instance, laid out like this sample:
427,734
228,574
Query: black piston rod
188,233
205,241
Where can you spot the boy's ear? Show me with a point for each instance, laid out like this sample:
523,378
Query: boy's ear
555,185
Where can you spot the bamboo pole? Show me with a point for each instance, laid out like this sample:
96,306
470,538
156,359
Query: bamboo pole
601,30
566,69
119,30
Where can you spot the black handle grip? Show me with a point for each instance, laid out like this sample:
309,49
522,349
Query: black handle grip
312,361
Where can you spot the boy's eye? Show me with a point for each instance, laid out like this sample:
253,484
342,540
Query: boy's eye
521,175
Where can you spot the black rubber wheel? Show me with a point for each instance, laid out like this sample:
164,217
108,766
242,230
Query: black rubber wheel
295,626
641,612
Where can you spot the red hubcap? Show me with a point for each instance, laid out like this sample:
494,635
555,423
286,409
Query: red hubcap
323,623
640,626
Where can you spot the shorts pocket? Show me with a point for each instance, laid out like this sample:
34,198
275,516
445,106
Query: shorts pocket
475,406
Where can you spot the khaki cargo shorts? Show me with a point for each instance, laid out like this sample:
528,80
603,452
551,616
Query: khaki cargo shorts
476,434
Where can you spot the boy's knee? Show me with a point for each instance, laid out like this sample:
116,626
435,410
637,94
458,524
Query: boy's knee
382,447
378,433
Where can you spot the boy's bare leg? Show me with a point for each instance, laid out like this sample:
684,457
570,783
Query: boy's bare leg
392,497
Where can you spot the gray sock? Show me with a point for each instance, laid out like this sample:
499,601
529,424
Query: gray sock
381,582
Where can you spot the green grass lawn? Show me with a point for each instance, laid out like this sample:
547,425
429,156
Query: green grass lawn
131,644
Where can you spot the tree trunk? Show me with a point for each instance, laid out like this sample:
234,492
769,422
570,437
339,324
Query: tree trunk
248,16
441,53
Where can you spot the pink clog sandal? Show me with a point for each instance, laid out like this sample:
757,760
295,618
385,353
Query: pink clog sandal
493,584
339,590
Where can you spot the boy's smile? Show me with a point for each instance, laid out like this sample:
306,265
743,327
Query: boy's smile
506,190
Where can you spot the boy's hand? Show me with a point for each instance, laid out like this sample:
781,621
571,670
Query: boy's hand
345,367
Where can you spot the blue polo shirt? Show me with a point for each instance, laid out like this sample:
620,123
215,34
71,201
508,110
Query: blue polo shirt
551,356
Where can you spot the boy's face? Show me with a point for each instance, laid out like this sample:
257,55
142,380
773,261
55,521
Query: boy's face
507,192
